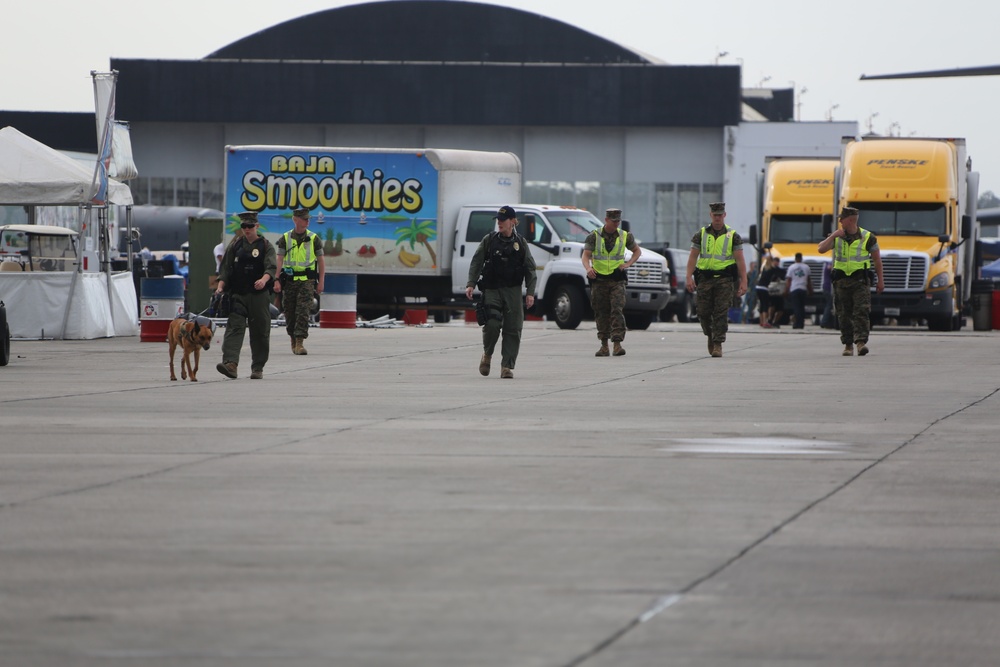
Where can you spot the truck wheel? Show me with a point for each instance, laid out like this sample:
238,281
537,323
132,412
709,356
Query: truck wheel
943,323
639,320
5,334
567,306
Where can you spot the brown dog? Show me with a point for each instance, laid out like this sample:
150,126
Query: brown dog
193,338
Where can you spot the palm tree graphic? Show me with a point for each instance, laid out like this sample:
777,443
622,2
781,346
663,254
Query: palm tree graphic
421,232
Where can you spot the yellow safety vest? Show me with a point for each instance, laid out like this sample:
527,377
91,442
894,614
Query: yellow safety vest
716,252
299,255
852,256
604,261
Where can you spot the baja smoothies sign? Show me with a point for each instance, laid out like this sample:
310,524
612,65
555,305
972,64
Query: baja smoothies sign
375,211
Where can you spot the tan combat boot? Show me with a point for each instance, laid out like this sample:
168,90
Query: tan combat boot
292,338
619,351
227,368
484,364
848,350
862,348
711,346
298,349
717,349
603,352
506,373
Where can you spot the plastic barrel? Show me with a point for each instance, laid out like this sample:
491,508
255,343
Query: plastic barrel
160,301
982,305
339,305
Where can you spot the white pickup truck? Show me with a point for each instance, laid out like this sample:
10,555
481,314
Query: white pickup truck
556,235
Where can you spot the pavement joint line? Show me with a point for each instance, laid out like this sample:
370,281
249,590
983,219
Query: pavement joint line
613,638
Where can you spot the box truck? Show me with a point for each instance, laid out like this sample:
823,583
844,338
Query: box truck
793,196
918,195
407,222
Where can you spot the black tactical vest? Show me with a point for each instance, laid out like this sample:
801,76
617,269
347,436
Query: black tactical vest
504,261
248,267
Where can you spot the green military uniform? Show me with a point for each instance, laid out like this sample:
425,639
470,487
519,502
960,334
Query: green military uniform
243,264
299,253
716,278
607,291
510,264
851,285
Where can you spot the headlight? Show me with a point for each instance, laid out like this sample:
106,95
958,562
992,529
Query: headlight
939,281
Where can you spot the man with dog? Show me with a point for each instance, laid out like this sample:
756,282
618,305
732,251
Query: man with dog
301,270
247,270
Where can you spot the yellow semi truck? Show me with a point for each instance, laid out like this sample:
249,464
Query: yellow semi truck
918,195
793,195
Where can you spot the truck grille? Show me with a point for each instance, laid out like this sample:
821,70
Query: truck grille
905,273
645,273
816,274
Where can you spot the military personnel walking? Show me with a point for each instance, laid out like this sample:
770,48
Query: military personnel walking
604,261
301,271
500,265
247,268
715,264
855,251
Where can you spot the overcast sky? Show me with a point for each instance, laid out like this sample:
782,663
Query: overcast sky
49,47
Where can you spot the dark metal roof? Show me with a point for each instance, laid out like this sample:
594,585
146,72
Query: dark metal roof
61,131
430,93
422,30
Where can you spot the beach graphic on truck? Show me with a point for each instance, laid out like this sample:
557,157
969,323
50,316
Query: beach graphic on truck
375,212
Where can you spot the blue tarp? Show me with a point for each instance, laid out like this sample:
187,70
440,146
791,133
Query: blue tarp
991,270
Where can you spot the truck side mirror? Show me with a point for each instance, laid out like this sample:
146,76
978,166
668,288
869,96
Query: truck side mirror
827,222
966,227
753,235
626,225
529,226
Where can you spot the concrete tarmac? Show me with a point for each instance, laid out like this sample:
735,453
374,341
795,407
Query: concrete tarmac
378,503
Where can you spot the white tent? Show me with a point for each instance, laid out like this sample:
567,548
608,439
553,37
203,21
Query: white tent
33,174
60,304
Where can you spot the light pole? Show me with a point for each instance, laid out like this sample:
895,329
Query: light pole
763,80
871,122
720,54
798,104
829,112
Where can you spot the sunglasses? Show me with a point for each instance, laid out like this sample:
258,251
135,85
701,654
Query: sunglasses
248,225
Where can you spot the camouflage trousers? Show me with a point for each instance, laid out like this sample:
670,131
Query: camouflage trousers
715,298
607,298
853,300
296,301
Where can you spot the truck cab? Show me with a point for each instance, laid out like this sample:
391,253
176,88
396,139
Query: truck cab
556,236
795,202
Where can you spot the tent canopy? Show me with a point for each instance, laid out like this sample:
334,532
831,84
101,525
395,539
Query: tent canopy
32,174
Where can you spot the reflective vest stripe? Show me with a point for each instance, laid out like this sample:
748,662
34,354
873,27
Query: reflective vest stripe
716,252
604,261
299,255
852,256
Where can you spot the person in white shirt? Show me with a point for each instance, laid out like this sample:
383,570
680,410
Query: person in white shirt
798,286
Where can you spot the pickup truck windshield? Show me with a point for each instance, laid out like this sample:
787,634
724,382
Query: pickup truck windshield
796,229
573,225
904,219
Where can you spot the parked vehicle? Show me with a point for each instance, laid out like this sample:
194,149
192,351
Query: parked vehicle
793,196
407,222
681,303
919,196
